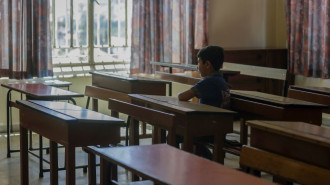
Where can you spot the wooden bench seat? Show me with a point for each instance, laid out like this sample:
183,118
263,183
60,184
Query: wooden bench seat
137,113
146,182
312,94
165,165
283,167
155,118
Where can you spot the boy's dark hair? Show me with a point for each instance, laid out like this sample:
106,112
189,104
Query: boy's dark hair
214,54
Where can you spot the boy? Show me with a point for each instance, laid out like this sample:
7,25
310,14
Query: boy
211,90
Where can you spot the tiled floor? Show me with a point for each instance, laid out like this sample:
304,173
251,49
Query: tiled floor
10,167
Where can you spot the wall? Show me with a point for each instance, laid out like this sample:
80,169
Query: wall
247,24
253,24
78,85
301,80
232,23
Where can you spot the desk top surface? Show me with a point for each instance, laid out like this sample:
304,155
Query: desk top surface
299,130
50,82
38,90
128,77
193,67
273,99
318,90
168,165
68,111
182,107
57,83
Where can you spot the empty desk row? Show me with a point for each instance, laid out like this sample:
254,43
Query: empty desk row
297,151
165,165
107,85
258,105
66,124
34,91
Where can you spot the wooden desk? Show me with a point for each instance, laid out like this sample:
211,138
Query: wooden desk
58,83
164,164
183,78
34,91
42,92
297,140
257,105
128,84
66,124
312,94
49,82
193,120
121,85
190,79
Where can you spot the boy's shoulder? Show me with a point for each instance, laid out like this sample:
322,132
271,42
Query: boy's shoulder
214,76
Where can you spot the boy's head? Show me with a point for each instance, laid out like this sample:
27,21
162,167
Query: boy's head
213,54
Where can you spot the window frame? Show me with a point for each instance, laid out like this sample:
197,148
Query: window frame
90,41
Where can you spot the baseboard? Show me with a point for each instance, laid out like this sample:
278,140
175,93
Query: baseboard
326,120
3,127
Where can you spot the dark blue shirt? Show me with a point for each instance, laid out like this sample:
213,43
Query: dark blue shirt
213,90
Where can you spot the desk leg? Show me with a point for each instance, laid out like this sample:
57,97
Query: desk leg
8,124
243,132
87,103
155,135
170,89
108,172
41,162
188,142
218,153
24,156
144,129
91,168
134,132
53,163
114,114
95,105
70,165
158,135
73,101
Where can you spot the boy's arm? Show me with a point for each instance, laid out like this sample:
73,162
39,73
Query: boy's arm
186,95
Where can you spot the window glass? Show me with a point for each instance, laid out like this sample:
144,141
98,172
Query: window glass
111,36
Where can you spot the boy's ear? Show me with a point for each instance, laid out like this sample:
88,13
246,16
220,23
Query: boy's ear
208,64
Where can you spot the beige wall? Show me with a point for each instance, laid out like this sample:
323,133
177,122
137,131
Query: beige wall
252,24
232,23
78,85
247,23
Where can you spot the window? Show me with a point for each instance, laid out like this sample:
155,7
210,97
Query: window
90,35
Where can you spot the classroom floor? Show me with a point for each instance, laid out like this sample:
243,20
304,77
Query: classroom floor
10,167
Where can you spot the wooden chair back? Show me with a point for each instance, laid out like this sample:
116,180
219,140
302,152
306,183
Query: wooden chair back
143,182
154,117
103,94
283,167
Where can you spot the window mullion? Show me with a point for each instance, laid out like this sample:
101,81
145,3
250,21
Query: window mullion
109,23
126,36
91,34
54,24
71,23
